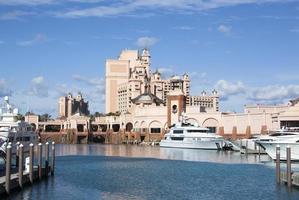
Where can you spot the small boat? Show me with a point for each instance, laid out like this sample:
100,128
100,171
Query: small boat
14,131
186,135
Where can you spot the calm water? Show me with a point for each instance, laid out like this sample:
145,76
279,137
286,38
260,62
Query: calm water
133,172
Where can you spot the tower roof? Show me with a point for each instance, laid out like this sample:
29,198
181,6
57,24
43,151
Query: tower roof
147,98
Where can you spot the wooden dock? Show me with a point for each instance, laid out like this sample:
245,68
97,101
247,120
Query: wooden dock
27,175
294,178
14,180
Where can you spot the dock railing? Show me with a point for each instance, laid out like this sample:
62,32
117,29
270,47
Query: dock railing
18,173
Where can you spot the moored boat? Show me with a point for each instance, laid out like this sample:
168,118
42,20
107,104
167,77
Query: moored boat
186,135
13,130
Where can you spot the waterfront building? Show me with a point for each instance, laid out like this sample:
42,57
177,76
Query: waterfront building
148,105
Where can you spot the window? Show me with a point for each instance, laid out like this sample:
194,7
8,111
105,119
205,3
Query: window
178,131
177,138
155,130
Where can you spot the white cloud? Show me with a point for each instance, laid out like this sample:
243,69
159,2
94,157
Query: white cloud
95,93
38,39
226,88
128,7
146,41
295,30
16,14
184,28
224,29
38,87
42,2
274,93
4,90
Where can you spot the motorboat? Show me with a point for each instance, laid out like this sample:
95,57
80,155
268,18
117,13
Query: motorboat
14,131
251,145
270,148
186,135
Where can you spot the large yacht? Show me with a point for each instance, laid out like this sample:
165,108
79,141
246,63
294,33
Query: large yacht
250,145
185,135
285,137
13,130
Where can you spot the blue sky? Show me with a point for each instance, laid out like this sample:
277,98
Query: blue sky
246,49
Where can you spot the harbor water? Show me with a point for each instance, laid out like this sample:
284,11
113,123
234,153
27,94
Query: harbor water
146,172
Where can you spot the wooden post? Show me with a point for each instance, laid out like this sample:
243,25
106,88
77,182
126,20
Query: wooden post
21,164
40,157
31,162
278,164
47,159
8,169
53,159
246,150
289,173
17,154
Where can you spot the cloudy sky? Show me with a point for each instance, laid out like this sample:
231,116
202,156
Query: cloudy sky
246,49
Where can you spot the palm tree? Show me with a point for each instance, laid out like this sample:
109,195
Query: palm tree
45,117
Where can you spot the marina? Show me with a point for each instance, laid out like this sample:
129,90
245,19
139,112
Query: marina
151,172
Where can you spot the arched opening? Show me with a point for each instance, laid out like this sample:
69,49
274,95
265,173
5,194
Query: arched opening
155,127
80,127
33,126
211,124
94,127
129,127
103,127
143,127
136,126
115,127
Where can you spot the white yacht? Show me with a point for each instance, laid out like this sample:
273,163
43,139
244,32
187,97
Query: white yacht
252,144
270,148
185,135
13,130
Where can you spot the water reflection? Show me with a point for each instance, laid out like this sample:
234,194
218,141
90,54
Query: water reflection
161,153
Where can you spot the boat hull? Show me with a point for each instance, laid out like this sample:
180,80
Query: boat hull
270,148
209,145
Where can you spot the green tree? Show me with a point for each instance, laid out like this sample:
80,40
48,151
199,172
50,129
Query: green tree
45,117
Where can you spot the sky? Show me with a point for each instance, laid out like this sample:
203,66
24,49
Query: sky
248,50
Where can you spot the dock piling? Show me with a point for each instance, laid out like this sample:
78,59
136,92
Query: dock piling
31,161
53,159
8,169
17,154
289,172
21,164
278,164
40,157
246,147
47,159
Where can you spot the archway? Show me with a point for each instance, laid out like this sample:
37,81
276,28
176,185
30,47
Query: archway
80,127
143,126
129,126
155,127
212,124
192,121
115,127
33,126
